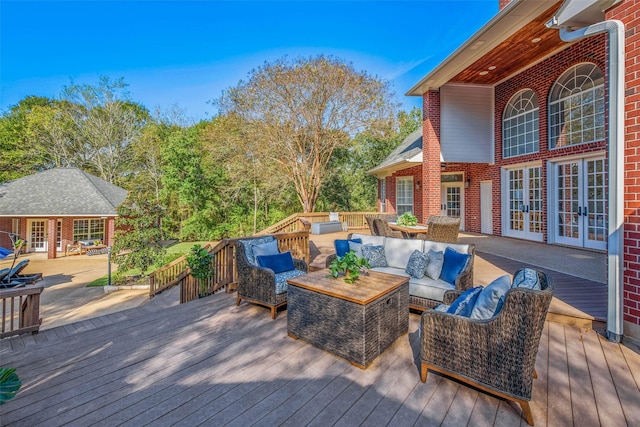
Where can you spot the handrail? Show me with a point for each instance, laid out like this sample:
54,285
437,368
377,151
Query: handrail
224,265
20,310
292,234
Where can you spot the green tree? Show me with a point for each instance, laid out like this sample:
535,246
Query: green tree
107,121
137,238
299,112
20,156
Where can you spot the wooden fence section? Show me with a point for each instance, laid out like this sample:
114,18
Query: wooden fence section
224,267
169,275
20,310
297,221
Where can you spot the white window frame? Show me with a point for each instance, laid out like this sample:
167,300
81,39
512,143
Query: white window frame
383,195
404,194
93,229
520,125
578,94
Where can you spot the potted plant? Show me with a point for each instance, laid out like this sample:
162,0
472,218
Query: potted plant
407,219
9,384
350,265
200,263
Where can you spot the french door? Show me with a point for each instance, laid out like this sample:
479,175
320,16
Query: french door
37,235
581,202
523,206
452,199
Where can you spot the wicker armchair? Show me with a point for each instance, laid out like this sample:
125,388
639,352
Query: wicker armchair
442,229
258,284
384,229
496,355
372,227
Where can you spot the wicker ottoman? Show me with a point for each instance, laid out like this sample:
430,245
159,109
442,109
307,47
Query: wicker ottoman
354,321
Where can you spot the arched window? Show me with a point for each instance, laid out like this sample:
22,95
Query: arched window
520,125
576,107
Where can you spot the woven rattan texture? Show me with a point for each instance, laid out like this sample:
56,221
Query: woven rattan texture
498,353
258,283
356,332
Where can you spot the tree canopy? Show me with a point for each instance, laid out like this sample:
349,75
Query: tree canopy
317,126
299,112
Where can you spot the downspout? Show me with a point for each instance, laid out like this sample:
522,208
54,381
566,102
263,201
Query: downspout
615,33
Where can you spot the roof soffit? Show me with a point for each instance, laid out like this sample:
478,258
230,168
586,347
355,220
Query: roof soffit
501,48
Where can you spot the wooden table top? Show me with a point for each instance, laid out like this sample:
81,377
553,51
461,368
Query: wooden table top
366,289
410,229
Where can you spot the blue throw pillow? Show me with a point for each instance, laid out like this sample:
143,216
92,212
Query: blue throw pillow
489,303
416,264
454,263
342,246
375,256
278,263
527,278
269,248
463,305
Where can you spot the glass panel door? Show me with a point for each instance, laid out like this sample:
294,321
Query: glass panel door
581,204
453,201
524,203
38,235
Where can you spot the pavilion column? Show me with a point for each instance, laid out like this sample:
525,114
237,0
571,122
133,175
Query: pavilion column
110,229
430,190
52,238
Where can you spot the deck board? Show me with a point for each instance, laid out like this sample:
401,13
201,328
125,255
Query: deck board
211,362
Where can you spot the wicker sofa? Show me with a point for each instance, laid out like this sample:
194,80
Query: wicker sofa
424,293
258,284
496,355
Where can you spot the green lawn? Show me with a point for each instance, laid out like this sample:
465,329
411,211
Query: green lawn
174,251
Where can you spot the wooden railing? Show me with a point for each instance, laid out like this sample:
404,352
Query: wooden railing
296,222
20,310
224,266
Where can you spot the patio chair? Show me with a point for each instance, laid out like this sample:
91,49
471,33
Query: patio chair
496,355
260,285
442,229
372,226
14,276
384,229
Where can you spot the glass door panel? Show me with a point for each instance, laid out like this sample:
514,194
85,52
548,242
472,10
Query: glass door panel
524,203
38,235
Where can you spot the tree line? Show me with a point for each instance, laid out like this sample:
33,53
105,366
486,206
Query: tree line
296,135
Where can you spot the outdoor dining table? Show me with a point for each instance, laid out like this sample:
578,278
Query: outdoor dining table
409,231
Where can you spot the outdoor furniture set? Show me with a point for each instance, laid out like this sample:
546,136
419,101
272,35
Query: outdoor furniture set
427,291
486,337
83,246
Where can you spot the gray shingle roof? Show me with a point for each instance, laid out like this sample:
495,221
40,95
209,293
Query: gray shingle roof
410,147
60,192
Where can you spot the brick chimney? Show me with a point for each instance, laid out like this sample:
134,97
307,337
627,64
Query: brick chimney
503,3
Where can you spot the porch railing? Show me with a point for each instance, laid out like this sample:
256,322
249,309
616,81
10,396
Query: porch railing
225,274
297,221
20,310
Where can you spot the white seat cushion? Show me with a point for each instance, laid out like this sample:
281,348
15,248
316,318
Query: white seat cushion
369,240
398,251
429,288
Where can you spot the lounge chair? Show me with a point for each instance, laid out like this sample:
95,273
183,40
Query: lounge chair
496,355
15,278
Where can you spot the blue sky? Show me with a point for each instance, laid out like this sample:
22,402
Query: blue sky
187,53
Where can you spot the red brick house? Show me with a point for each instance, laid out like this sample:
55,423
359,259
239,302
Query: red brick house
531,129
57,207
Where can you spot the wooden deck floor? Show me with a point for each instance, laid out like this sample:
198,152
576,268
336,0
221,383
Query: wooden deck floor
209,362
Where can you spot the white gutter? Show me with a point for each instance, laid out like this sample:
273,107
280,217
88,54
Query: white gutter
615,33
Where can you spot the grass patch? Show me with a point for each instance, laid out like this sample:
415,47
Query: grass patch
101,281
174,251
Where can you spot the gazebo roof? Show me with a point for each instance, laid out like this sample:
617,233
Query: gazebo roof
60,192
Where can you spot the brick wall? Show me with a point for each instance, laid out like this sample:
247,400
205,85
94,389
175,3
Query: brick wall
540,78
629,13
430,154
